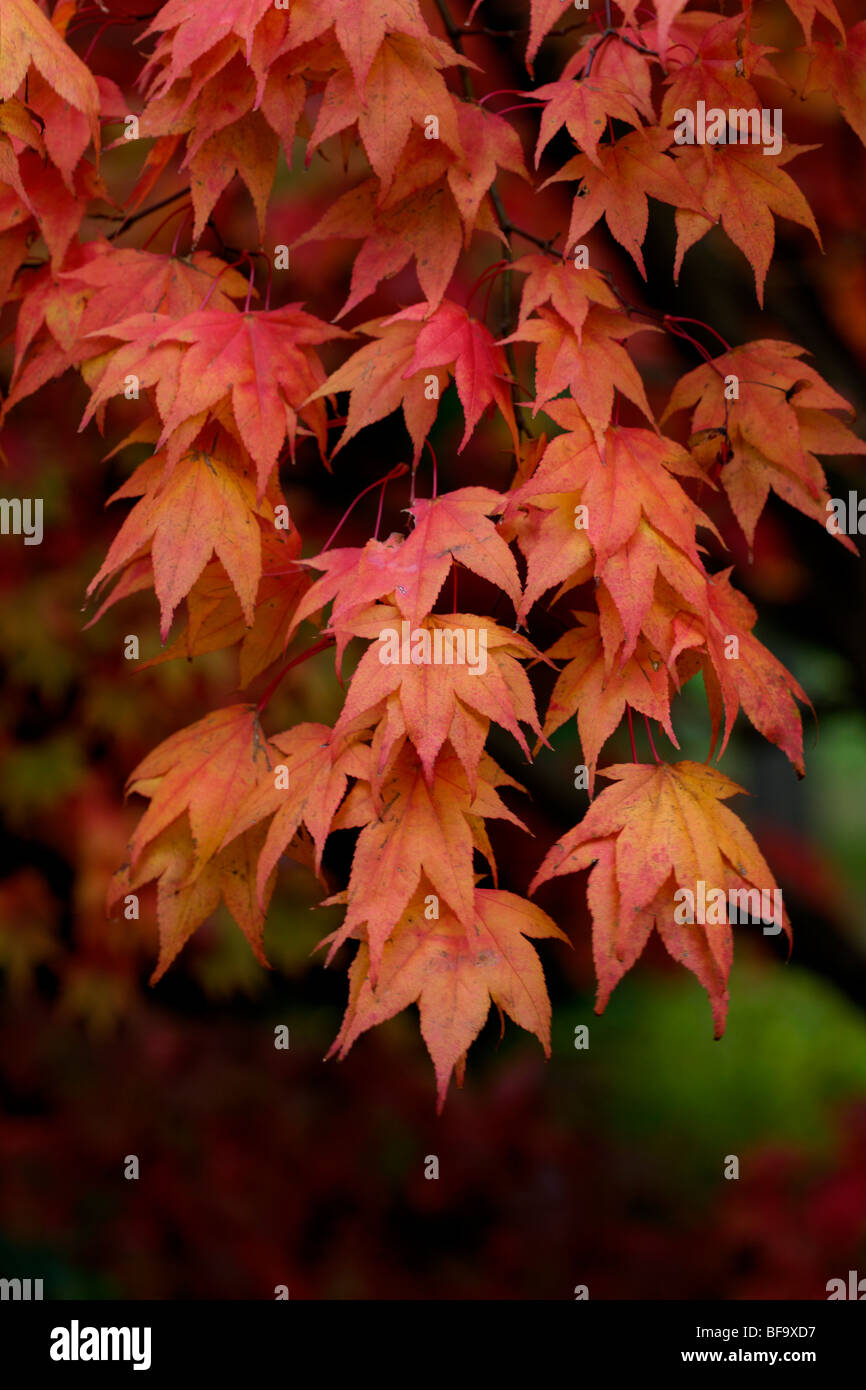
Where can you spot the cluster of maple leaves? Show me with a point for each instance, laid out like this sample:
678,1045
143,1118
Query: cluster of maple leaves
229,390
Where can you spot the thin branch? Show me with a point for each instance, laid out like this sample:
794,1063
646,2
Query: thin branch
145,212
546,244
455,34
493,33
296,661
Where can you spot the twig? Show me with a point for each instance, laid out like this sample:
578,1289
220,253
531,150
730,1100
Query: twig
145,212
296,661
455,34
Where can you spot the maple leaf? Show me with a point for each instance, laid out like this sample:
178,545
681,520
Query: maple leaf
46,333
489,143
620,61
712,68
839,68
627,475
417,826
260,362
187,895
234,110
378,383
57,209
609,497
307,786
197,31
599,697
66,131
749,676
631,577
452,527
204,505
93,293
583,108
556,550
570,295
486,679
449,336
28,38
354,577
249,148
591,365
453,973
661,828
403,86
425,224
742,187
205,769
155,283
543,14
360,28
773,427
216,619
617,186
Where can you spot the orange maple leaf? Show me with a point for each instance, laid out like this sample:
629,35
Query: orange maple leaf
260,362
205,770
188,893
28,38
742,187
449,336
592,365
424,223
425,699
412,571
377,381
570,295
402,87
839,68
306,786
584,108
774,426
417,826
205,504
599,696
216,619
453,973
659,830
617,186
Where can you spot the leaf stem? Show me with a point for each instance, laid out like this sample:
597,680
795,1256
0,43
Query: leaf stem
296,661
159,226
649,734
435,468
631,733
396,472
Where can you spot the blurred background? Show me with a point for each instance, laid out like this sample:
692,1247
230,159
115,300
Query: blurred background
604,1166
